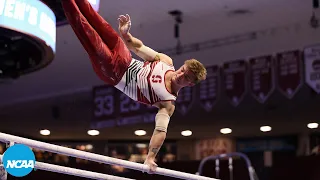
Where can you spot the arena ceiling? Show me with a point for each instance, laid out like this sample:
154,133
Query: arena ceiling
70,75
71,71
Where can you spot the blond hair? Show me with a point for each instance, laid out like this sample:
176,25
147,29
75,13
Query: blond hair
197,68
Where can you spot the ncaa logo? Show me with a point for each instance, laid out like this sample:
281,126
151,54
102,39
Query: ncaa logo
18,160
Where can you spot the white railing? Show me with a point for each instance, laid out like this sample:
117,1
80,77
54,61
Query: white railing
97,158
73,171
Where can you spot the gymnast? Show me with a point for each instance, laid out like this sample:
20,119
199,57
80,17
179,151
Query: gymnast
153,81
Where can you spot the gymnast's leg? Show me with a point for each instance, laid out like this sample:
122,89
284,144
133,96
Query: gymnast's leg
103,28
121,54
99,53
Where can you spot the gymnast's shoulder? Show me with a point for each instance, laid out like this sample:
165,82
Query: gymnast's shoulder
165,58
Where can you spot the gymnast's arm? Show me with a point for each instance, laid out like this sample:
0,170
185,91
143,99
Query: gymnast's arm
162,119
136,45
143,51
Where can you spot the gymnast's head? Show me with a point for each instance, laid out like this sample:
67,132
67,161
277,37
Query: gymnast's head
190,73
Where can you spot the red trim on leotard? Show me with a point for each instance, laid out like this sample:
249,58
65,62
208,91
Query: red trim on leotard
165,82
153,96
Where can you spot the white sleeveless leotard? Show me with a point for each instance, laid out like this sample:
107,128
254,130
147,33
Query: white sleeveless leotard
145,82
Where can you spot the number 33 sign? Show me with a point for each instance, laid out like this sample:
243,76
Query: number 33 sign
103,102
110,103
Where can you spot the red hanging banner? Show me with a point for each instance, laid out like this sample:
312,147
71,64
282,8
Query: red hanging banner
262,82
289,72
184,100
235,80
209,88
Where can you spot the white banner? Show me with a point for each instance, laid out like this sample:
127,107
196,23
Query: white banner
312,67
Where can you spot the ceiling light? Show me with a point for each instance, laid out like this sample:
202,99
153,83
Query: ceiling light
45,132
265,128
313,125
140,145
93,132
186,133
140,132
225,130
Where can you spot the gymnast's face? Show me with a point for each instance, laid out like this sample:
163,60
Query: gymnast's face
183,77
